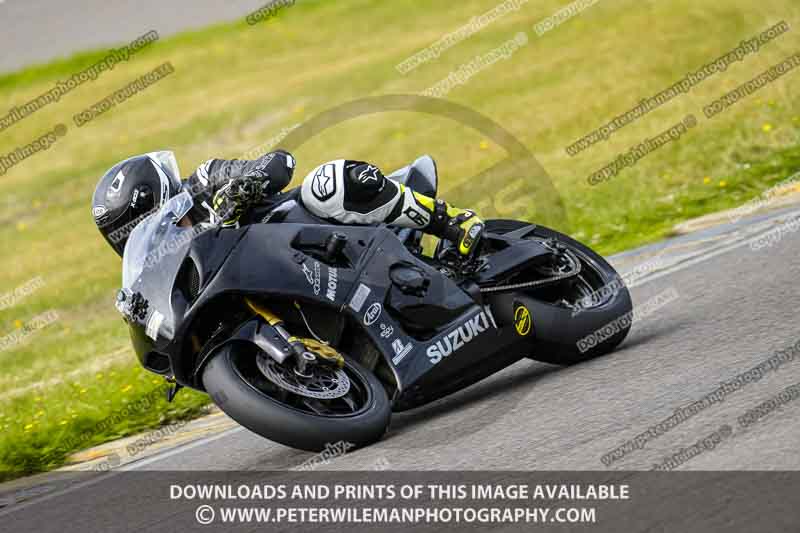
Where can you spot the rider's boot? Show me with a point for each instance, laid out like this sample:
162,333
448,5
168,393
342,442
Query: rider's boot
459,226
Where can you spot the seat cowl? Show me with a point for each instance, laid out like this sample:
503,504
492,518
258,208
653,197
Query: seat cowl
421,175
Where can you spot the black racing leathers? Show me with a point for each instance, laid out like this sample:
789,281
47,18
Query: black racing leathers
344,191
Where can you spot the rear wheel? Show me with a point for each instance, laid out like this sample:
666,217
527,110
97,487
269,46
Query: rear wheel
325,406
579,292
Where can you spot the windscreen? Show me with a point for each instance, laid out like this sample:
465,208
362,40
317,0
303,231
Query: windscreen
154,236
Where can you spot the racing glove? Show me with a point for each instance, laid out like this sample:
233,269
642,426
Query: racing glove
275,169
233,199
241,184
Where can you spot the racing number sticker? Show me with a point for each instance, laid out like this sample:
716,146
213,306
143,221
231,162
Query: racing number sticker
522,321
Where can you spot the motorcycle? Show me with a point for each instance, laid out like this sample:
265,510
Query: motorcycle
309,333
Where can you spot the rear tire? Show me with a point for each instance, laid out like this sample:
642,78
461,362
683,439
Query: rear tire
568,354
236,395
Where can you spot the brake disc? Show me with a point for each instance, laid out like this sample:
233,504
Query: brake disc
325,382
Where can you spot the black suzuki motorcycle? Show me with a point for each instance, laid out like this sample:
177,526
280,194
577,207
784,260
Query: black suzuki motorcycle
310,334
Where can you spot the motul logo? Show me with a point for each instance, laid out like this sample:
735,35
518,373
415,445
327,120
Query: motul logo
333,283
455,340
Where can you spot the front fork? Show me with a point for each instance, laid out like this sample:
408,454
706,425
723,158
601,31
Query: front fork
305,351
292,345
276,342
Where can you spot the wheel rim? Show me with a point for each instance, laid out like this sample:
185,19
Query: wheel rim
584,287
583,290
356,400
323,382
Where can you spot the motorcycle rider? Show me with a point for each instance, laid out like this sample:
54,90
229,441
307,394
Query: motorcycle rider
344,191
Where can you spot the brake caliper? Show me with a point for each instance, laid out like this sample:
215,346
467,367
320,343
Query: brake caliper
306,350
324,352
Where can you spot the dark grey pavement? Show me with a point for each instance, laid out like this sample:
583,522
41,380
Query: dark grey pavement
735,308
36,31
733,311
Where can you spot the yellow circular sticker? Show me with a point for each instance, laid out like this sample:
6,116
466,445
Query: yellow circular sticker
522,321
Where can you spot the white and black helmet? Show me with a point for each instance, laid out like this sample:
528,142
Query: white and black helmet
131,190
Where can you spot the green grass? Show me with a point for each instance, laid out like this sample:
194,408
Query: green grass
235,86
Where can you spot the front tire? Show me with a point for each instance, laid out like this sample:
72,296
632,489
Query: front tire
237,390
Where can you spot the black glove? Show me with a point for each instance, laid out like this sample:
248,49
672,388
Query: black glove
275,168
233,199
257,180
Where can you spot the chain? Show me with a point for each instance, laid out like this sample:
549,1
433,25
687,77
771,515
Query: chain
530,284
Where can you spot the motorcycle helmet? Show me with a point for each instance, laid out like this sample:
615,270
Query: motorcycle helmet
130,191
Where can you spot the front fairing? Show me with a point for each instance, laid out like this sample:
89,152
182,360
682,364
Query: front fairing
152,260
277,261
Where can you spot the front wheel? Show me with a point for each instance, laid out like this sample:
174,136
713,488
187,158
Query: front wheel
333,407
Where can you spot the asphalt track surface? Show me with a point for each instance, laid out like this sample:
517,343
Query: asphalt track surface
735,308
733,311
43,30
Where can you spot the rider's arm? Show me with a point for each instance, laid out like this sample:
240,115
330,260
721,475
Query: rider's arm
214,175
356,192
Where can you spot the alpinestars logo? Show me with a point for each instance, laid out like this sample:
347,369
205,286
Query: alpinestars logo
369,174
259,170
324,183
314,278
455,340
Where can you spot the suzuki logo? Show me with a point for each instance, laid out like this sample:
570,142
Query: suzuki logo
455,340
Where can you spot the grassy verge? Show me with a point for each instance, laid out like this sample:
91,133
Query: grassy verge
235,86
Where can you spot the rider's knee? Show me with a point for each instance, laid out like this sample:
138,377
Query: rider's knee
363,181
